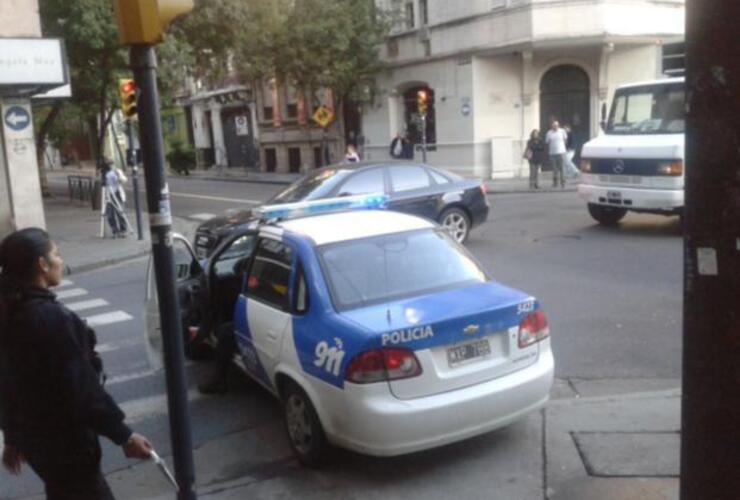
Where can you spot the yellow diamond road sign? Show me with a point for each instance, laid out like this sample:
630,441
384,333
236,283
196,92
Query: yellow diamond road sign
323,116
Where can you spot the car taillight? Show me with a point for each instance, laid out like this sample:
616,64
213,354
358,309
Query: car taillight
533,328
585,165
379,365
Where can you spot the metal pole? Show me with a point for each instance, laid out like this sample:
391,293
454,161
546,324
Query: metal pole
424,137
134,164
710,444
144,64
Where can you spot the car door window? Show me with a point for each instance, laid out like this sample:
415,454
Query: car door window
231,259
269,274
438,178
365,182
409,177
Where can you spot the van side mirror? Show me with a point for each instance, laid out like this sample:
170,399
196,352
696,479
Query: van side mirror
602,123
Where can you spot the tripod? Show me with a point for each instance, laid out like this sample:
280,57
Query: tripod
111,208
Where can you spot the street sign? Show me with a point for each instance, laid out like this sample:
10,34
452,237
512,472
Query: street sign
32,61
323,116
17,118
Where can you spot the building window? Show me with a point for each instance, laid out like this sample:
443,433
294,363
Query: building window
317,157
409,11
393,48
427,45
294,160
291,100
413,120
268,111
674,59
423,12
270,159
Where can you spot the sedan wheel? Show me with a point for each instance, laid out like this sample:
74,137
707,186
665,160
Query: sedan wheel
306,435
457,223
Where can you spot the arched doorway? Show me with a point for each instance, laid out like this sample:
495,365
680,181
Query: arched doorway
411,118
565,96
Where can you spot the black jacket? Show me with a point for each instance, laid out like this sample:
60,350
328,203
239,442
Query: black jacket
538,150
52,401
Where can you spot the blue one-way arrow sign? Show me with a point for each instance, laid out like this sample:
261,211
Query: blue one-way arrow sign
17,118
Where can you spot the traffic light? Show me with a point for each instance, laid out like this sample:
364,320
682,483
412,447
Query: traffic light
145,21
422,100
127,96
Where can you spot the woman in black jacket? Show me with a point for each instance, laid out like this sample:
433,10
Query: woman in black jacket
534,154
52,403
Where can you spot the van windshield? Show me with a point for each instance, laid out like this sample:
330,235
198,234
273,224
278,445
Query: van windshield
649,109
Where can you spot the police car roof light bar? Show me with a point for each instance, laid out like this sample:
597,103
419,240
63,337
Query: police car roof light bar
318,207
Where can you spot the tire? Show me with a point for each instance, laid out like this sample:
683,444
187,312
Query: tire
606,216
457,222
305,433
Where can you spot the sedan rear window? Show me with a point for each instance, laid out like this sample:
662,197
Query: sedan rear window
390,267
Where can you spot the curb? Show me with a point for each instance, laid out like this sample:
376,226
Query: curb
248,181
530,191
92,266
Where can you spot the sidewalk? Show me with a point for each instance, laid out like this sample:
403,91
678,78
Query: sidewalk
75,227
596,440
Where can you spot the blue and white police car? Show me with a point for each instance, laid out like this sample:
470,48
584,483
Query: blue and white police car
377,330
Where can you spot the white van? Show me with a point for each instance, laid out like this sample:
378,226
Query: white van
638,163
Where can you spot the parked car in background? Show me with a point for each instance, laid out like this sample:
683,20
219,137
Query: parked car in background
457,203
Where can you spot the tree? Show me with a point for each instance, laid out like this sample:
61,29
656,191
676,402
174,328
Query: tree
96,61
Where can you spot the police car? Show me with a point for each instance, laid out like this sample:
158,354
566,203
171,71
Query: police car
377,330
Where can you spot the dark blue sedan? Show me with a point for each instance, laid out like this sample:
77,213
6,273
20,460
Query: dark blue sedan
457,203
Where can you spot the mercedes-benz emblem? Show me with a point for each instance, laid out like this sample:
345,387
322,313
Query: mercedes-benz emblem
618,167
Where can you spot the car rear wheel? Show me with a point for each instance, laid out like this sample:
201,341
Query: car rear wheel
457,222
306,436
607,216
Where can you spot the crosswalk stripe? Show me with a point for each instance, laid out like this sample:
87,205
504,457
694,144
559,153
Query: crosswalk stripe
137,410
114,346
87,304
108,318
65,283
201,216
119,379
216,198
73,292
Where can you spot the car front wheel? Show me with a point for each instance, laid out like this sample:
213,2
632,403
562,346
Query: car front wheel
607,216
307,438
457,223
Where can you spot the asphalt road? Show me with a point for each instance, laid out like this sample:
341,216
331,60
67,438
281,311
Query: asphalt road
612,297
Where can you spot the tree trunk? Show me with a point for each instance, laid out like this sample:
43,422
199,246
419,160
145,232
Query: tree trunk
41,147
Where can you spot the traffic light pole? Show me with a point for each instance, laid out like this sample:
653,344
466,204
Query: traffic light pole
134,164
144,65
710,417
423,137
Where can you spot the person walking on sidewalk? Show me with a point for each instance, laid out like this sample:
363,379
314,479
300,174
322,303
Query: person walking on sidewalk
534,155
556,139
52,403
351,155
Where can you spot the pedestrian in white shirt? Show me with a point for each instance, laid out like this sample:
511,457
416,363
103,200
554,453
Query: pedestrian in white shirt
556,139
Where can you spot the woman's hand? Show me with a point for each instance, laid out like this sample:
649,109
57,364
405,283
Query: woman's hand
12,459
137,446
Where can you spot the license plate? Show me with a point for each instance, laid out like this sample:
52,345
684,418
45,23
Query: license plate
466,352
613,195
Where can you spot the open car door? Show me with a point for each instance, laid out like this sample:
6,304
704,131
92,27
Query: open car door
189,275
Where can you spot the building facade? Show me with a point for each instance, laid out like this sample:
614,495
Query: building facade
265,127
497,69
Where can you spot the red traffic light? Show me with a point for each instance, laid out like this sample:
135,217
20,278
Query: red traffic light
128,86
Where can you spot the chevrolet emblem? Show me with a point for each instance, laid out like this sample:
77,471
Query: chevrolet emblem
470,329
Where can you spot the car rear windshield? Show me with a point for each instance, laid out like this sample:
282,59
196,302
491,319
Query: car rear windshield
390,267
314,186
